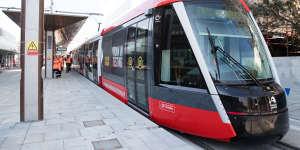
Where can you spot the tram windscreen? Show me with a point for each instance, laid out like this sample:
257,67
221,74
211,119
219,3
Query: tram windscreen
232,30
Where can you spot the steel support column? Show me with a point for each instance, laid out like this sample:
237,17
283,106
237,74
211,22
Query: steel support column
32,28
50,42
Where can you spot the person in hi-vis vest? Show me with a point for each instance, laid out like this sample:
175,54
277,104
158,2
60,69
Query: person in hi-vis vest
68,63
57,67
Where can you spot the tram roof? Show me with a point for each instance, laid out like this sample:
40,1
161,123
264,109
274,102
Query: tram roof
142,8
90,40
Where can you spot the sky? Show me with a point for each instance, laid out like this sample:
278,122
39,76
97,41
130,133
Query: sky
110,8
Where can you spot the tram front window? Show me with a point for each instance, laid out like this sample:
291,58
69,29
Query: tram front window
178,64
225,24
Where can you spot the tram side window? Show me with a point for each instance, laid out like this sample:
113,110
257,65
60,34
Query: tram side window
107,46
178,65
95,54
90,57
117,54
94,61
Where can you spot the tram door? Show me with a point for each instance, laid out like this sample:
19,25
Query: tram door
136,62
94,62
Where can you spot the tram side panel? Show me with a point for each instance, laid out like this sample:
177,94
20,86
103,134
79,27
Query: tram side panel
100,58
85,60
95,61
112,75
81,60
88,61
75,58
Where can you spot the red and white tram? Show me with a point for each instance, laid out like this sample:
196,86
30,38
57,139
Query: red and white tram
198,66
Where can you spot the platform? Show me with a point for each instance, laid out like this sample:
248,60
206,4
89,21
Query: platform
289,74
78,116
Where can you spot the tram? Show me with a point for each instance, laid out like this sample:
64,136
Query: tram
201,67
87,57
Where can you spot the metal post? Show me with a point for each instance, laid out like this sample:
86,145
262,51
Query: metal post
10,62
6,61
49,53
32,28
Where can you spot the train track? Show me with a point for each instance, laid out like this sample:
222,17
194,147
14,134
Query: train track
201,143
275,146
284,146
204,145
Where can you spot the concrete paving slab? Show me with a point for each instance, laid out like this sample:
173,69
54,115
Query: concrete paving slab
35,138
12,140
49,145
109,144
77,143
12,147
292,138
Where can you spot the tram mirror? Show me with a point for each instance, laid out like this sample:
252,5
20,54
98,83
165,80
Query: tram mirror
149,12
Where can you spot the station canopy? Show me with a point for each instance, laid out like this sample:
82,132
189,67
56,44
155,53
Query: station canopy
66,24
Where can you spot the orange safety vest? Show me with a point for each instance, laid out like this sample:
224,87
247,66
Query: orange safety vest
61,60
87,59
68,60
57,64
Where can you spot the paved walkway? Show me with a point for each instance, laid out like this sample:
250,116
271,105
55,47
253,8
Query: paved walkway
78,116
9,97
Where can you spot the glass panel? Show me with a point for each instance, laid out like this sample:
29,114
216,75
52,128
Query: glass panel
90,55
130,47
131,90
90,64
141,62
141,95
141,47
95,61
117,54
178,64
86,60
106,62
233,31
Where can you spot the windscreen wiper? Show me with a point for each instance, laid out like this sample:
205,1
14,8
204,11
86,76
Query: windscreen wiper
214,51
224,53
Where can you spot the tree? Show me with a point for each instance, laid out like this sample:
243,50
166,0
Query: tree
277,14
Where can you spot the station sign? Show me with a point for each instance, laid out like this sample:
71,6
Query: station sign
61,49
